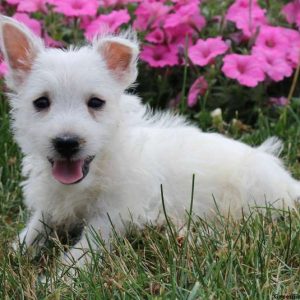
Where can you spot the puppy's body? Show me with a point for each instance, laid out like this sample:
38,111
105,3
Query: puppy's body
126,176
124,153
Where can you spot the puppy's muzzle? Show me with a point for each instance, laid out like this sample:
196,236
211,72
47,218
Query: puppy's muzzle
67,145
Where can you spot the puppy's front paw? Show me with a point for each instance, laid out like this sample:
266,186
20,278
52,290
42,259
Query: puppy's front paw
77,257
27,241
72,262
19,244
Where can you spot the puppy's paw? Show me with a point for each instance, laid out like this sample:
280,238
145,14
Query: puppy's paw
27,243
19,244
78,257
60,276
70,266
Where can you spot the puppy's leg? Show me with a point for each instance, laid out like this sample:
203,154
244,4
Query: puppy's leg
79,254
34,234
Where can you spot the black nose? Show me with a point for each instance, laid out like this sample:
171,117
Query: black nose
66,145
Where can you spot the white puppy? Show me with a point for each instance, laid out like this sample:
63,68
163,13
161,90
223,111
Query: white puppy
91,150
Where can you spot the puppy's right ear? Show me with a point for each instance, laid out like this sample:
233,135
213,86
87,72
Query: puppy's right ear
20,47
120,54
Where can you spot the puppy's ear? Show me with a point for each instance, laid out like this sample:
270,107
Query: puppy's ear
120,56
20,47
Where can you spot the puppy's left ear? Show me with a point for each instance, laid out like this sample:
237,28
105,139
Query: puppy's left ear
120,56
20,48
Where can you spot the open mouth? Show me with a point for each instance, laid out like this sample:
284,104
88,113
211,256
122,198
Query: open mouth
69,171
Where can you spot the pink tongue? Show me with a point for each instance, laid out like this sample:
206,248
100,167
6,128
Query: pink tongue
68,172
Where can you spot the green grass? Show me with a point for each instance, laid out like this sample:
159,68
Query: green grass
257,257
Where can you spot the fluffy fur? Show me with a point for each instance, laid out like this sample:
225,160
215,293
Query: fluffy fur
135,151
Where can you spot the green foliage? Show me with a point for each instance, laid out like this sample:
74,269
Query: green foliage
256,257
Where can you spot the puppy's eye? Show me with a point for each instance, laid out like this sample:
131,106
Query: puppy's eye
96,103
41,103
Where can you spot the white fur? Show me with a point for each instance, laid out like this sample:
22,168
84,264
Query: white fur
136,151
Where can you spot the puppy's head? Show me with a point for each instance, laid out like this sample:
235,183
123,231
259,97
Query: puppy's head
65,103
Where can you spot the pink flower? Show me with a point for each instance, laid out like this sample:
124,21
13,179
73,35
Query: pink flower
244,68
242,5
291,34
247,16
249,24
33,24
275,66
32,6
293,54
275,40
156,36
205,51
199,87
291,11
150,15
160,56
107,23
279,101
180,34
271,39
187,14
75,8
3,68
293,51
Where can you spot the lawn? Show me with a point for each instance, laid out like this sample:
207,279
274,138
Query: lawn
255,257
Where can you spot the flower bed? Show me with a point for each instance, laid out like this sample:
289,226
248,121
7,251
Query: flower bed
237,55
